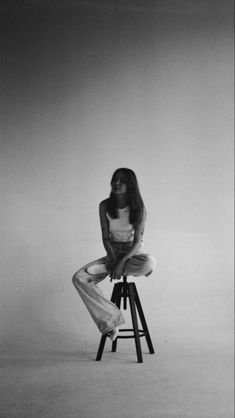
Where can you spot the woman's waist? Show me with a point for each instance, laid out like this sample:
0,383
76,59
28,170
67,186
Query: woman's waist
121,244
123,247
122,235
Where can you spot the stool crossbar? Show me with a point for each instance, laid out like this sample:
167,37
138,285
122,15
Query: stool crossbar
121,292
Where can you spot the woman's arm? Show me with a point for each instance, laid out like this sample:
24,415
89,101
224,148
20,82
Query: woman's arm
139,232
105,231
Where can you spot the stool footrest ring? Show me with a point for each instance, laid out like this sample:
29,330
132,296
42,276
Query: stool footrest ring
140,331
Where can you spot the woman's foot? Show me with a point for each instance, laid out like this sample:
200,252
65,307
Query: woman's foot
113,334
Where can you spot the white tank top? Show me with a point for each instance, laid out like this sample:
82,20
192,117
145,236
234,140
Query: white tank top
120,229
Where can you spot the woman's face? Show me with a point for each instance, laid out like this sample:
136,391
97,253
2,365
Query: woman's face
118,183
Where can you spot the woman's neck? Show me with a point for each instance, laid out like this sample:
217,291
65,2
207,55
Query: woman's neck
121,201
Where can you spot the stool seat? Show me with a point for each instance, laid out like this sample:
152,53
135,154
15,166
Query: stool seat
121,292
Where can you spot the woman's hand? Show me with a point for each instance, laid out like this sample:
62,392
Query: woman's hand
117,271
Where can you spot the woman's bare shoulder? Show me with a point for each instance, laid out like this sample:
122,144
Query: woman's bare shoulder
103,204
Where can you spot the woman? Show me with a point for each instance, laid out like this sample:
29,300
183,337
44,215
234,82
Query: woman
122,219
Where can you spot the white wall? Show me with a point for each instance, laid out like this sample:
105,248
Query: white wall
84,95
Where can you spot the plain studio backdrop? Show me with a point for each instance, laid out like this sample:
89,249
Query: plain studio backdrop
87,89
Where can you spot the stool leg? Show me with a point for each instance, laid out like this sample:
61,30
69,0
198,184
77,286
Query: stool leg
103,338
125,295
125,292
135,323
101,347
143,321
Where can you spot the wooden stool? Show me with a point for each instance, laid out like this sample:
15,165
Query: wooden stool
123,291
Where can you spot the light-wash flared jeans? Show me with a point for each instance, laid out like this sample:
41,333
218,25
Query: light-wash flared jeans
106,314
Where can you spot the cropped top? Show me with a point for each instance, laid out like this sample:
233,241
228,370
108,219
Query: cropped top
120,229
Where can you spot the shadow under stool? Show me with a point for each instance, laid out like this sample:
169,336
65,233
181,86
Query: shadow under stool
121,292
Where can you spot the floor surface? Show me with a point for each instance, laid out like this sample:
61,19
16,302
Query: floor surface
185,378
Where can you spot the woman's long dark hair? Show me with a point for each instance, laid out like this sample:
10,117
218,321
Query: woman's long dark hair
134,199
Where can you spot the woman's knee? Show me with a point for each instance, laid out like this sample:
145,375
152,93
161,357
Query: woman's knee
77,278
150,264
74,279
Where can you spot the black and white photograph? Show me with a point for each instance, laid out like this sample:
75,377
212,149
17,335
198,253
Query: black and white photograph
117,208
